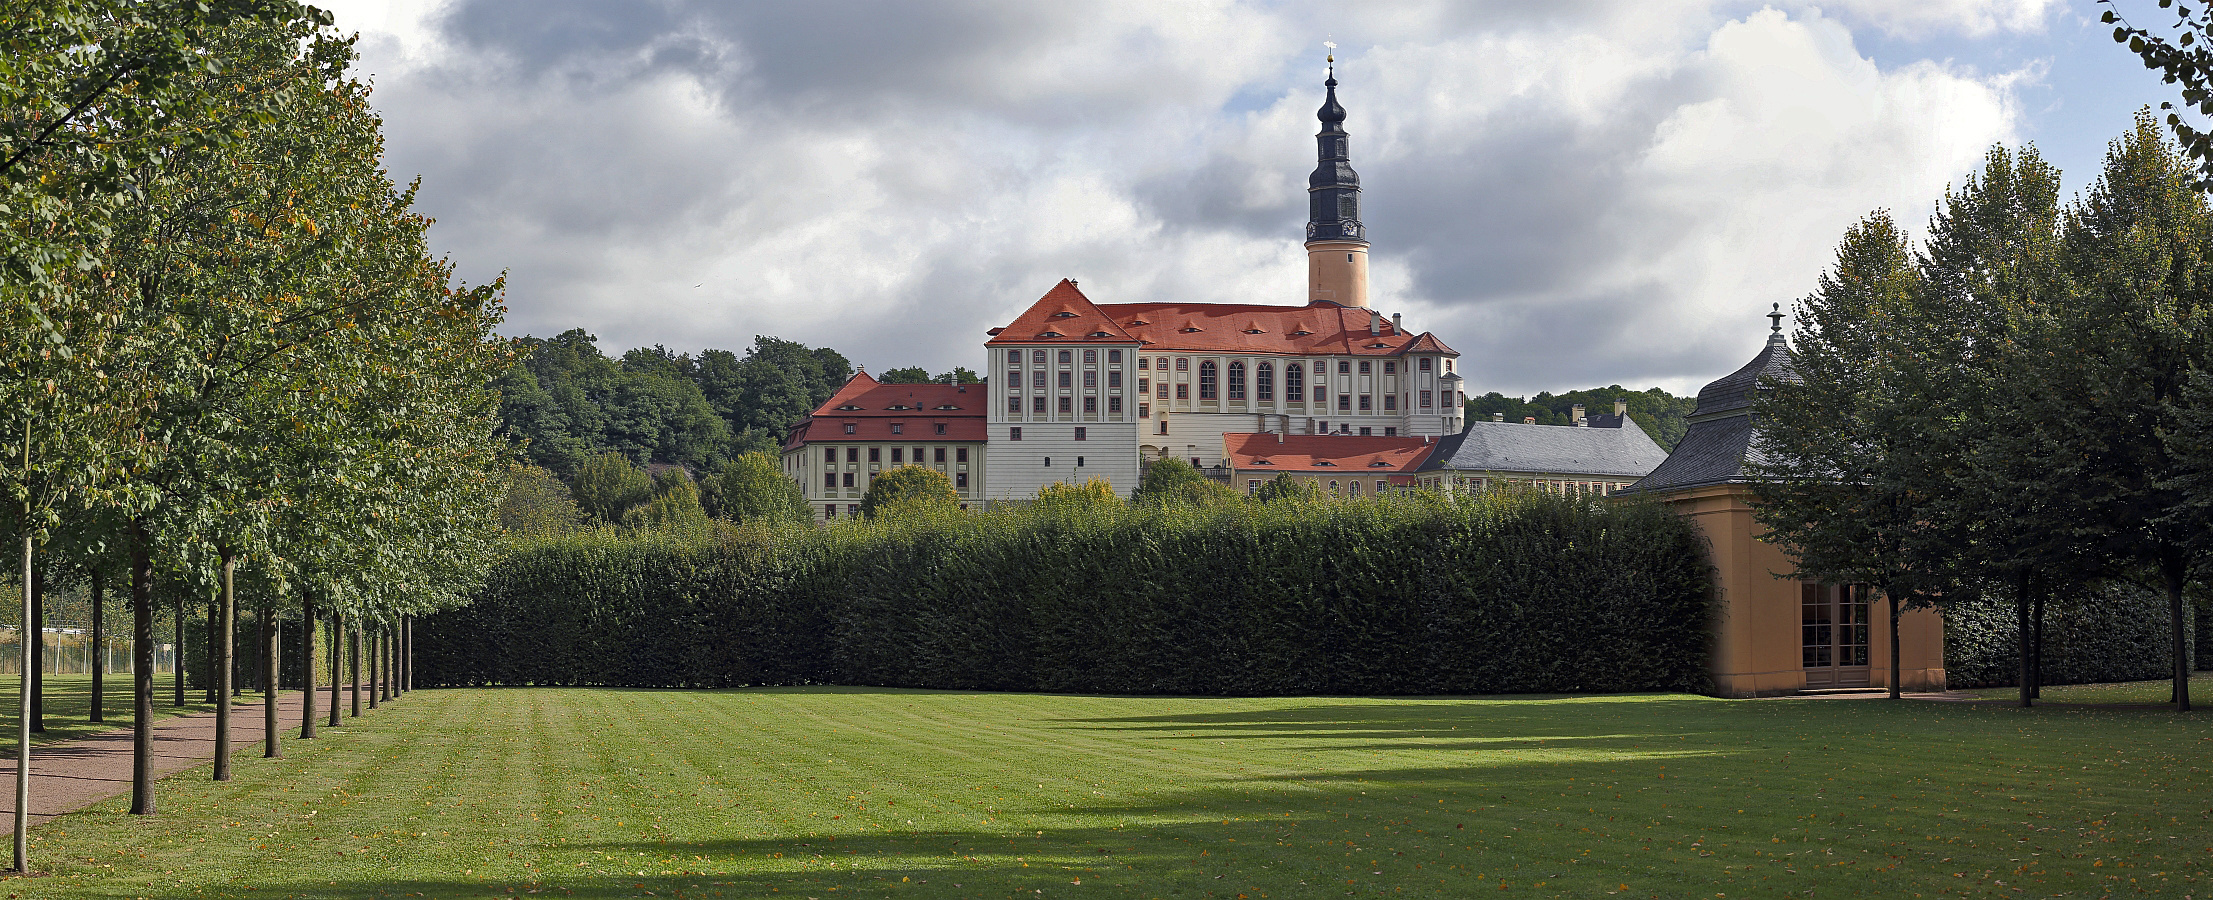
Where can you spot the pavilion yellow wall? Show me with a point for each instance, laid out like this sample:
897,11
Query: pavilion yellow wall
1756,649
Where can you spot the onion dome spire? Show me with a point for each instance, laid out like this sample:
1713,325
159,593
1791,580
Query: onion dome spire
1333,191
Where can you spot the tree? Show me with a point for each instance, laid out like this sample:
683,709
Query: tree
1286,488
908,489
675,504
608,486
2138,248
1092,494
959,375
1165,480
1846,469
2187,60
908,375
753,489
537,503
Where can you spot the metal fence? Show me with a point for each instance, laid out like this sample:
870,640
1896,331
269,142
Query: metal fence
69,651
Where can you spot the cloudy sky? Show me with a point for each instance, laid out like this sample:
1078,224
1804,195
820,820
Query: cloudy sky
1573,193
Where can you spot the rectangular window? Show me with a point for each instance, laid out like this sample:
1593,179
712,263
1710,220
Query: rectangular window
1067,379
1365,431
1344,368
1321,394
1390,401
960,481
1160,391
1090,379
941,428
1014,357
1363,367
1252,487
1091,357
1090,404
1144,385
1183,363
1114,357
1390,368
938,456
896,455
852,509
851,427
1114,379
830,457
897,428
1390,432
829,479
1067,404
1381,488
1142,363
1114,404
1183,392
1322,427
960,454
1163,426
1344,403
1014,434
1144,410
1425,364
1037,404
848,479
1080,433
1014,380
1367,402
875,454
1425,400
852,454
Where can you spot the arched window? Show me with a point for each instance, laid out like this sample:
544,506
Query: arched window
1294,382
1091,357
1066,357
1264,381
1014,357
1237,381
1037,357
1183,364
1206,380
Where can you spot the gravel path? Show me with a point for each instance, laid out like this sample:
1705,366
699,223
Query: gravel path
72,775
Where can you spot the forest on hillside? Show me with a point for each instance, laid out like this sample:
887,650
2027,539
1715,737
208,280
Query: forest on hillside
1660,413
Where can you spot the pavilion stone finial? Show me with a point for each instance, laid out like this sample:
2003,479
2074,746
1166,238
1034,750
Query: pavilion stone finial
1776,317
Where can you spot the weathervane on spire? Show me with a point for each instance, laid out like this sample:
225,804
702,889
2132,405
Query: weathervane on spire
1331,71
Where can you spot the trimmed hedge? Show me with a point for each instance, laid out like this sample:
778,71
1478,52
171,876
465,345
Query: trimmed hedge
1503,593
2111,632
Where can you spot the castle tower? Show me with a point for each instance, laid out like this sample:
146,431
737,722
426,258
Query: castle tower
1336,242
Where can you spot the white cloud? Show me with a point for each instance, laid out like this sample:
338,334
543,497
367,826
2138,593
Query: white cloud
1925,18
1570,195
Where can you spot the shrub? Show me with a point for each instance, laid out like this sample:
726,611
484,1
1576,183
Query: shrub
909,490
1414,595
2115,631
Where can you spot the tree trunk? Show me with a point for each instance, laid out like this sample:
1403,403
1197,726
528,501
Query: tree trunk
214,629
99,644
2036,667
391,660
176,658
307,656
2173,571
142,671
408,661
272,649
2025,634
22,822
1895,651
227,631
337,661
37,636
354,665
373,634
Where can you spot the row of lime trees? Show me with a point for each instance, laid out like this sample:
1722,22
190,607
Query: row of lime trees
236,376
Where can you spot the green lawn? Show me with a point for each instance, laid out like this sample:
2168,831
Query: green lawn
69,699
2201,692
828,793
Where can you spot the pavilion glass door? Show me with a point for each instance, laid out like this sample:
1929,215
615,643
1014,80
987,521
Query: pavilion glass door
1834,634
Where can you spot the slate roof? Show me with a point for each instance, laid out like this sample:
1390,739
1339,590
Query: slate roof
872,407
1719,440
1324,454
1547,449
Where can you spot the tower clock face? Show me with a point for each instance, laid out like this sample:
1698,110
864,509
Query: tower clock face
1352,230
1310,229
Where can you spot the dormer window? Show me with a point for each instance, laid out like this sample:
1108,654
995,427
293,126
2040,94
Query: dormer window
1323,462
1379,346
1049,334
1064,314
947,406
1301,333
1379,464
1100,334
851,427
1139,322
1262,462
897,427
1188,329
1254,331
849,407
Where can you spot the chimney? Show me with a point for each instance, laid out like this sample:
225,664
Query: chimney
1621,407
1279,437
1529,420
1375,322
1498,417
1398,323
1578,417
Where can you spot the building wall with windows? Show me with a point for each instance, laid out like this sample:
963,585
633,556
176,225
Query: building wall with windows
1334,465
868,428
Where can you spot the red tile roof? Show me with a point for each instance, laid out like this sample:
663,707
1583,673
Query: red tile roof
1314,454
872,407
1065,315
